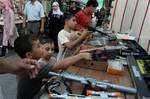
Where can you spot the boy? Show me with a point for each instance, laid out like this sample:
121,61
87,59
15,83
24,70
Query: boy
84,16
48,47
65,41
28,46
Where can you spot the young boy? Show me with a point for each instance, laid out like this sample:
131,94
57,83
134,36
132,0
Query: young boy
28,46
65,41
48,47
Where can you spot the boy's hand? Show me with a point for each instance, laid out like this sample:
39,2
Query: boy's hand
86,56
85,34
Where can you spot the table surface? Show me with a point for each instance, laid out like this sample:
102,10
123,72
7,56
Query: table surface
123,79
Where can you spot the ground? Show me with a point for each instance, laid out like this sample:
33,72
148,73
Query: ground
8,83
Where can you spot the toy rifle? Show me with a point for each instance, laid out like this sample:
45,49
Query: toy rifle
44,73
106,48
94,82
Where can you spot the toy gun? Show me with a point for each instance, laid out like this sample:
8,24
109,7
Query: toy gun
106,48
44,73
75,96
94,29
93,82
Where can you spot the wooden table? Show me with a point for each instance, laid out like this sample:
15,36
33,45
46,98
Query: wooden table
124,79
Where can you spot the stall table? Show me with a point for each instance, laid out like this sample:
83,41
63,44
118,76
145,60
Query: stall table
124,79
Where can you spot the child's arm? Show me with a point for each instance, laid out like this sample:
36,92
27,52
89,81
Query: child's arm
65,63
72,44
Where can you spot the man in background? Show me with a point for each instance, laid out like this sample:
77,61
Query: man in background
84,16
34,15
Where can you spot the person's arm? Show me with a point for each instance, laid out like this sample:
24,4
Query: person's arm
72,44
24,21
20,66
24,17
65,63
42,24
42,15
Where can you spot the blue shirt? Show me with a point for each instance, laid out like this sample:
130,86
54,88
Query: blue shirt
34,12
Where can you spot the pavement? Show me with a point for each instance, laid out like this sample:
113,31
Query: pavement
8,83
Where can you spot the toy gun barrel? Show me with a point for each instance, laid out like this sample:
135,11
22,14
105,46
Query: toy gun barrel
94,29
118,87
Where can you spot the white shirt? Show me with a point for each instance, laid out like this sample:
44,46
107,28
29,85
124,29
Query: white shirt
34,12
63,37
52,61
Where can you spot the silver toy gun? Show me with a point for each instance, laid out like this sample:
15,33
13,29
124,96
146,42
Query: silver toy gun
44,73
93,82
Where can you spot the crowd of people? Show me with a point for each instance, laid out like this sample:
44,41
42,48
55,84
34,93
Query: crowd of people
63,33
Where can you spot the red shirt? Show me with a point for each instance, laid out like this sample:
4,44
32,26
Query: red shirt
83,19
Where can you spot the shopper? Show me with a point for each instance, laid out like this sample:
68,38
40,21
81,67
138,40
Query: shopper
34,14
84,16
56,23
10,31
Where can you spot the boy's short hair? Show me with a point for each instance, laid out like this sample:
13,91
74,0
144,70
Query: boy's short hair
44,40
94,3
68,16
24,44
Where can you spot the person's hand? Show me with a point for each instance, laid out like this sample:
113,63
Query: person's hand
23,25
85,33
86,56
41,30
1,4
24,66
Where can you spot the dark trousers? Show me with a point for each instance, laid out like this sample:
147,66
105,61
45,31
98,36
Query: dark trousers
33,28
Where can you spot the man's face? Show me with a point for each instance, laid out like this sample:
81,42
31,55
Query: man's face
72,23
48,50
37,51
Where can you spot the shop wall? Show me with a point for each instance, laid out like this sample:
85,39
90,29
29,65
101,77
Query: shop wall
132,15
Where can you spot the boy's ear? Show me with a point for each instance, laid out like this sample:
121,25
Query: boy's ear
29,55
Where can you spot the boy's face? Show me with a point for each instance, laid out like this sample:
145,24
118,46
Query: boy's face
48,50
37,51
72,23
91,9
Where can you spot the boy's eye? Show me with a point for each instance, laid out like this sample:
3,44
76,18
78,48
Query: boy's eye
52,49
47,49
